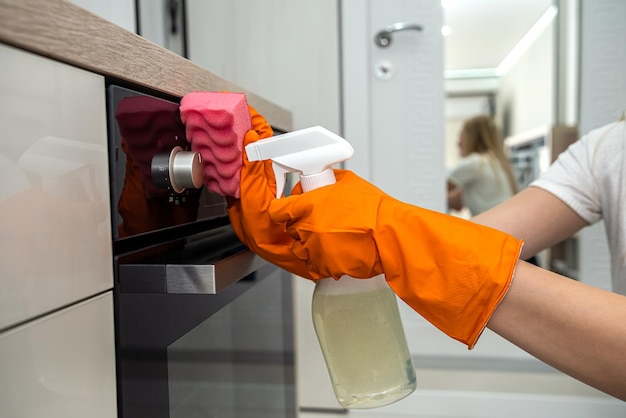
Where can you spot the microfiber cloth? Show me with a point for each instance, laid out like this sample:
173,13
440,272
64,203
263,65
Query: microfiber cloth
215,125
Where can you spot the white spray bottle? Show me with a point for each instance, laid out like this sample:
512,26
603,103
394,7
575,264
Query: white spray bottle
357,321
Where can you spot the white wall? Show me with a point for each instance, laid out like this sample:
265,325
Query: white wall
120,12
527,90
285,51
603,99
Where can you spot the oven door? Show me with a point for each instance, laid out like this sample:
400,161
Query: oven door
204,330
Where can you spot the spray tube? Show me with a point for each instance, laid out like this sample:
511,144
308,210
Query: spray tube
357,321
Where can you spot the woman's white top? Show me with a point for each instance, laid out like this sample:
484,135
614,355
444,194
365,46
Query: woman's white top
483,181
590,177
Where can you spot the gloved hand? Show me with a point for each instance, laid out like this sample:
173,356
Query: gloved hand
451,271
249,214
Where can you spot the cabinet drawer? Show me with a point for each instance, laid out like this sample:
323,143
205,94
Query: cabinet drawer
55,245
61,365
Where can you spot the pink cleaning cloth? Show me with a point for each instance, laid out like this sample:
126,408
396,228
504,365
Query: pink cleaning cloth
215,125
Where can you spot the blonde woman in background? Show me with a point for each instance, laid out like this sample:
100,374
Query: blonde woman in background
484,177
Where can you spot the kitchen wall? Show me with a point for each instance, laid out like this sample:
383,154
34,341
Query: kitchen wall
603,100
120,12
526,93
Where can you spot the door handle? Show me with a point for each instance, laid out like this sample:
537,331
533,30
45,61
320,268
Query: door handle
383,38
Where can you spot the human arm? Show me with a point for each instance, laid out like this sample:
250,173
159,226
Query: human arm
452,271
465,175
535,215
576,328
455,196
428,260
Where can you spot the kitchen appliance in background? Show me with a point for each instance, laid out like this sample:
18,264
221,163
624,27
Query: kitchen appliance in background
529,154
203,326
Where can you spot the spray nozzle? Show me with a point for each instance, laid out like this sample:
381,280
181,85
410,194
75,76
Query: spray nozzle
310,152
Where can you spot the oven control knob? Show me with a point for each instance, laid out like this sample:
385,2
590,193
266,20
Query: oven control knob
178,170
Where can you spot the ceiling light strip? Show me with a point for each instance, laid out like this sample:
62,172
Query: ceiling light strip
527,40
470,73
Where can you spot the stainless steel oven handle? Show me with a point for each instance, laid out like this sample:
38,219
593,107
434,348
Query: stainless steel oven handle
189,278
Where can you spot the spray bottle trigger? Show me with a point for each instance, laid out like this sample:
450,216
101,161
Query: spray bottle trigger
280,174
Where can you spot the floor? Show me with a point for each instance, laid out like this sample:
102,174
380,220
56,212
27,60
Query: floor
369,414
323,415
351,414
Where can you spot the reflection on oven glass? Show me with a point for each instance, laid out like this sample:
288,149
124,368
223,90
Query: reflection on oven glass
228,354
148,127
238,362
53,209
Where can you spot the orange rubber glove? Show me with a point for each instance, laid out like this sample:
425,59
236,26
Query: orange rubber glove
249,214
451,271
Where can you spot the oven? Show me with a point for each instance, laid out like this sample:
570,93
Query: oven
204,328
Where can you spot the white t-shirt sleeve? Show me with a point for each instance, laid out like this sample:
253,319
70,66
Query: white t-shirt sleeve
579,174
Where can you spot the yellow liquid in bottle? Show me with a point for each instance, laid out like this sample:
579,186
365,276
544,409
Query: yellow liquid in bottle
364,346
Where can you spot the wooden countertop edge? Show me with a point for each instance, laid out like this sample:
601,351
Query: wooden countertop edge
65,32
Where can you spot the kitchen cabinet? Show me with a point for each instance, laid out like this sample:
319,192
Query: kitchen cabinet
61,365
57,352
54,203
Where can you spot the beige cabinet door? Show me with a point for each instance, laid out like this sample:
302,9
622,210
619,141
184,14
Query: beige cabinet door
55,245
61,365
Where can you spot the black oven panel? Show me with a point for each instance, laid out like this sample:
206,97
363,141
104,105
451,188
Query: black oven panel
204,327
156,177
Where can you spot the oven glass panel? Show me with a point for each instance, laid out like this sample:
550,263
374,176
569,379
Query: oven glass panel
222,355
143,130
238,362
